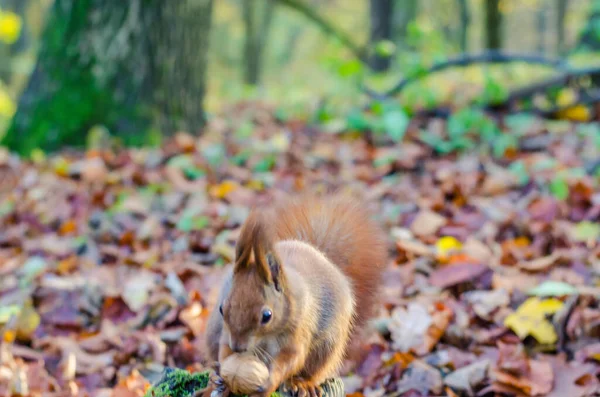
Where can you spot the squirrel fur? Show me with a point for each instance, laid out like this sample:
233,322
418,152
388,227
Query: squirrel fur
304,282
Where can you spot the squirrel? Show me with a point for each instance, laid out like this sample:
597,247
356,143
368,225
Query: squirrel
304,282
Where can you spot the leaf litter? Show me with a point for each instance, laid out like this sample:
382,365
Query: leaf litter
109,260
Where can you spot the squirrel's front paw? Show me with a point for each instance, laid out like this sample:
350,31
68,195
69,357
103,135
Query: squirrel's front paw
301,388
219,388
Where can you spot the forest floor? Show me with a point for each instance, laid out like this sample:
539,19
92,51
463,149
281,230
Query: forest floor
109,260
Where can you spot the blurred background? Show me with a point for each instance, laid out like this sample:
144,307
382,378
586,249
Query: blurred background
140,70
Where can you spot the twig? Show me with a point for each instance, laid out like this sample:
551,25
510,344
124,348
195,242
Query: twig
298,5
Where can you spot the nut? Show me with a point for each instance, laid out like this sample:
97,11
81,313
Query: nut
244,373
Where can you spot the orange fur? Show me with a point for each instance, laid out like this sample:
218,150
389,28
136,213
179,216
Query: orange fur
340,227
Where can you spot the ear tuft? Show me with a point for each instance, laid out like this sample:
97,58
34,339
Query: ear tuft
275,270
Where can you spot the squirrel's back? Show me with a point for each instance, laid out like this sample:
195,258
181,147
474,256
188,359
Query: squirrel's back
341,228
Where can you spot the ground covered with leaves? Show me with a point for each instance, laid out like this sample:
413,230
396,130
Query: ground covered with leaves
109,259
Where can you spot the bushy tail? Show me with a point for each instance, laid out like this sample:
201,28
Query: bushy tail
339,226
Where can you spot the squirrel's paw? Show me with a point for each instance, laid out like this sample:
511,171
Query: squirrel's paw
219,388
301,388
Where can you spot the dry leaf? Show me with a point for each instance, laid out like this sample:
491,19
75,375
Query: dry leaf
427,223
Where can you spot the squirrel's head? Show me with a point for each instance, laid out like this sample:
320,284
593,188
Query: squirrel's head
256,305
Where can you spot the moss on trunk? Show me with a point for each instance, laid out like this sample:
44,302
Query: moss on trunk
111,63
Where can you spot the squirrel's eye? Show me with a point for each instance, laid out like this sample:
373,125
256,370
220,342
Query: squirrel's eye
266,316
221,309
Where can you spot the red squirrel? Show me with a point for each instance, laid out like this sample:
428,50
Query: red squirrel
304,282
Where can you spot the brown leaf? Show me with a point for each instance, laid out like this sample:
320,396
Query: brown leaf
539,264
450,275
573,379
427,223
538,381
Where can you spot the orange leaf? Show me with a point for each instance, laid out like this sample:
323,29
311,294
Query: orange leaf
400,358
67,265
68,227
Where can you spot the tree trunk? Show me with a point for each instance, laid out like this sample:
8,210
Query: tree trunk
257,22
561,12
404,12
179,43
381,29
123,64
493,25
541,28
465,21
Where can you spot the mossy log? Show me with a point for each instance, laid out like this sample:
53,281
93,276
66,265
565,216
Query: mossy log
180,383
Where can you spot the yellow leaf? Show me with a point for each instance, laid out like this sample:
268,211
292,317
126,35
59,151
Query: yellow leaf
10,26
223,189
575,113
28,321
447,244
566,97
61,166
255,184
530,319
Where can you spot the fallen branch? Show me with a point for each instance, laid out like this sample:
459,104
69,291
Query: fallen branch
560,80
467,60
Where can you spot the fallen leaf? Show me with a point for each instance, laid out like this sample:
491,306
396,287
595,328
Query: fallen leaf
427,223
408,326
568,379
136,290
530,319
441,316
484,303
537,382
422,378
468,377
553,289
223,189
586,231
539,264
446,245
450,275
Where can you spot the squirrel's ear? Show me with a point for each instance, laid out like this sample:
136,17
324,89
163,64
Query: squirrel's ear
275,270
243,248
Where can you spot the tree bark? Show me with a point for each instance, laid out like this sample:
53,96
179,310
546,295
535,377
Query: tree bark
381,29
541,27
179,54
404,12
465,21
257,22
128,65
493,25
561,12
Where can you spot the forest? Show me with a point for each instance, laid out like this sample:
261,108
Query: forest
136,136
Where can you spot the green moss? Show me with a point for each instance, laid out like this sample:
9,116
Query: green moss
72,89
178,383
